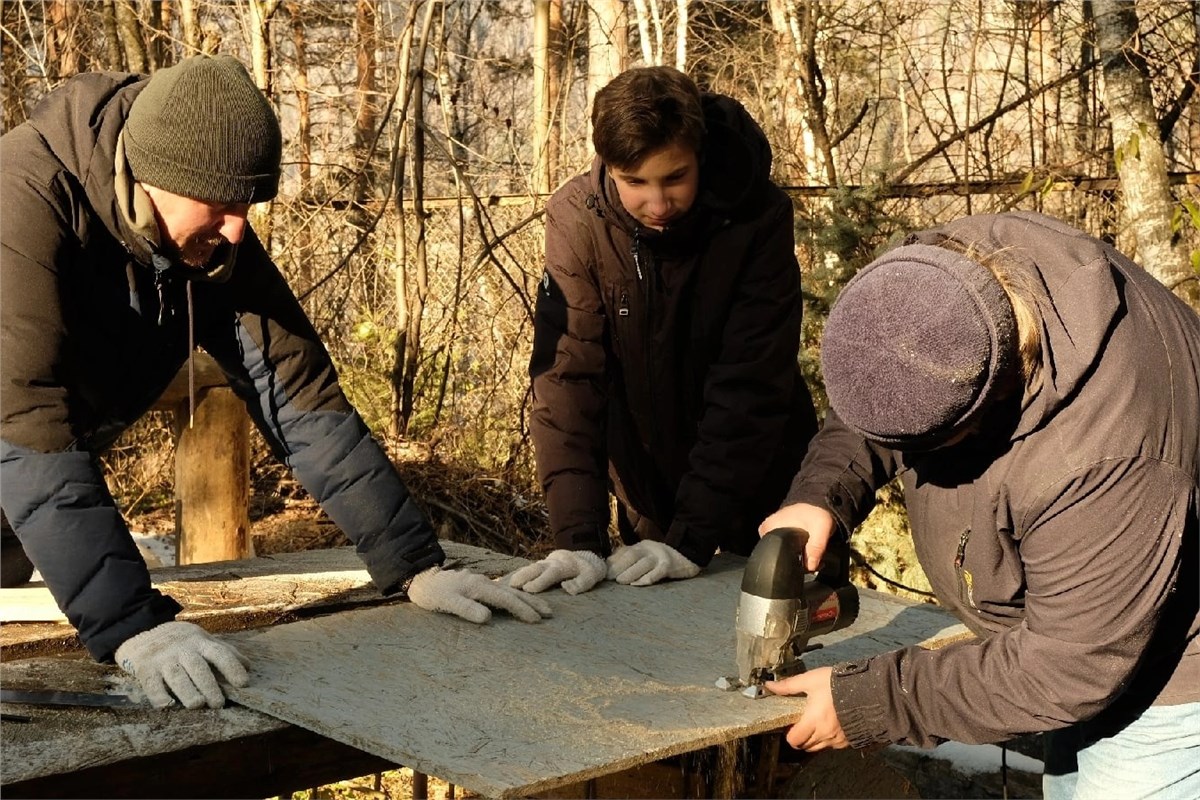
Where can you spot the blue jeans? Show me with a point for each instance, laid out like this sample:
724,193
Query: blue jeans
1155,756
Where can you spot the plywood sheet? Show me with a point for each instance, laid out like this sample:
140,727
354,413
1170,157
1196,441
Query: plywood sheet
620,676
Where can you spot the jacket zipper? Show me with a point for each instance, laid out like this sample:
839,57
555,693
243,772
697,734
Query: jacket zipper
622,311
966,580
646,279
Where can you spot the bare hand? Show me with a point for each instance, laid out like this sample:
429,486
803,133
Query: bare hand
819,523
818,728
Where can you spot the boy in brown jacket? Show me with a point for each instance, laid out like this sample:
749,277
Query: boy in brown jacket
665,340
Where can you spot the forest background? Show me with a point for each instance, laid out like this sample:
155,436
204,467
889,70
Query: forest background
422,139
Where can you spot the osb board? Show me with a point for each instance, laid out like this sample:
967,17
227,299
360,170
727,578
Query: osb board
620,676
233,595
252,591
58,740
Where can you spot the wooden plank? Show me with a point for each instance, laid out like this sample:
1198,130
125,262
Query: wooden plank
619,677
233,595
60,740
260,765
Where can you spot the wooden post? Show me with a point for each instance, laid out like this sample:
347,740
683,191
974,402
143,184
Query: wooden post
212,478
212,466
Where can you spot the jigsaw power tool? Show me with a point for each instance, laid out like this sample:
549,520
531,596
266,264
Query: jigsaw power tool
780,608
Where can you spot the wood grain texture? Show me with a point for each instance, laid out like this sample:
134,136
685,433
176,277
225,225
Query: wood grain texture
620,676
62,740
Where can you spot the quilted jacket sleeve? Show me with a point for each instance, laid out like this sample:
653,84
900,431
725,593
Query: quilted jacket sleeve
256,329
53,491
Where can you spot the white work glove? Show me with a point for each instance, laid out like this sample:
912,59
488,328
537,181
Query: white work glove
180,656
468,594
648,562
576,570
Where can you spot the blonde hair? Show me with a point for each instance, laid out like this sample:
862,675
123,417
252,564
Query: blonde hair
1017,287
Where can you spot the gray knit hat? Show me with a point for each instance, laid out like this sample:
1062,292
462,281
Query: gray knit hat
203,130
917,345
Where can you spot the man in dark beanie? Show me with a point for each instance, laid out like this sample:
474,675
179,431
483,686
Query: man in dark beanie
1037,393
124,238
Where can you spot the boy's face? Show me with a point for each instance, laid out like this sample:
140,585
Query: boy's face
662,188
192,230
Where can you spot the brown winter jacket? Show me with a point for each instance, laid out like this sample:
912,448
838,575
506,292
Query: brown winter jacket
1068,541
668,359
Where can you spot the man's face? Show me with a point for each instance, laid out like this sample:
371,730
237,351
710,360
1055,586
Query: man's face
662,188
192,230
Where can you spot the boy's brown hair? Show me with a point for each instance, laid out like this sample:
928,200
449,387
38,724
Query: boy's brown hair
645,109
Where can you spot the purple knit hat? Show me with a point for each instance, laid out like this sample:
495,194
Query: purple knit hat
918,343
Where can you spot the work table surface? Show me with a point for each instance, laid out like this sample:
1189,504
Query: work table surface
620,676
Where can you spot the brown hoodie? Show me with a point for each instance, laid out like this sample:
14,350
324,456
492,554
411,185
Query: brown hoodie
1066,535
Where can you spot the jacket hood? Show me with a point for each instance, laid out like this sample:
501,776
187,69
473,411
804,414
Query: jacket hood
735,169
1073,285
81,122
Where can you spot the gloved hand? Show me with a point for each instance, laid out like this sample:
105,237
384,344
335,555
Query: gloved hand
648,562
576,570
180,656
457,592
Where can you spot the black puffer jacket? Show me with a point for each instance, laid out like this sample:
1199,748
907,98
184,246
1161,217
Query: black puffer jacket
1066,537
93,326
668,359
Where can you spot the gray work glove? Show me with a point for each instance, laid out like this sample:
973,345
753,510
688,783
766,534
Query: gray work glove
648,562
178,658
468,594
576,570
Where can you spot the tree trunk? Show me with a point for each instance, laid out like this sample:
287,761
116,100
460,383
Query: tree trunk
681,34
608,45
541,95
303,101
114,55
261,12
129,30
787,96
649,57
367,117
409,305
62,42
189,20
554,74
153,28
1147,204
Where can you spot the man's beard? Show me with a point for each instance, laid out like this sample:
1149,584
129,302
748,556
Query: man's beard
198,251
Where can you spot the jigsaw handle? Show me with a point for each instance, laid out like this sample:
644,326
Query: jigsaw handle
775,569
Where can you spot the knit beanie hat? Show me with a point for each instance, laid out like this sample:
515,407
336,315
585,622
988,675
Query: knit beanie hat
202,129
917,345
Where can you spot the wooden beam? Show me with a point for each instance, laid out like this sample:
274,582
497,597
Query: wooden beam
212,464
212,479
262,765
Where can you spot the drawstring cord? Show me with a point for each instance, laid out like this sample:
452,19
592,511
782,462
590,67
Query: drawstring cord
191,358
